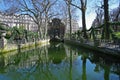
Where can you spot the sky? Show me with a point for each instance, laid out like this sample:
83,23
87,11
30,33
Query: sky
90,14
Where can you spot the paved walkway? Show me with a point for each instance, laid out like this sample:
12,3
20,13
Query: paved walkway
106,45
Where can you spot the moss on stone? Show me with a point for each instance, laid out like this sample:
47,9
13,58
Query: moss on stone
24,46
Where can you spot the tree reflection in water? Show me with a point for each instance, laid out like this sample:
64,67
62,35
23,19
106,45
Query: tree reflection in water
108,64
84,57
70,68
56,52
57,62
2,63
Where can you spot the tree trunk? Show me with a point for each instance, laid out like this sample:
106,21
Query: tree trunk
45,28
106,18
84,24
40,31
69,12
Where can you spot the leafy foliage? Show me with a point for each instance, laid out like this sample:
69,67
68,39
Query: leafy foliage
101,27
117,35
17,33
2,27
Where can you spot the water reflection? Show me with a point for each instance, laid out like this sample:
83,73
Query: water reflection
59,62
84,58
55,50
2,63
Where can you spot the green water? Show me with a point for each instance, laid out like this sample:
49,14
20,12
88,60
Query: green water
59,62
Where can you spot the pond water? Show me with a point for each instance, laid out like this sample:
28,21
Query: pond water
58,61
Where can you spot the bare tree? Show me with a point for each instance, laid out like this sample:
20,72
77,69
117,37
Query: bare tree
114,17
99,16
68,2
38,10
82,6
48,15
65,15
11,7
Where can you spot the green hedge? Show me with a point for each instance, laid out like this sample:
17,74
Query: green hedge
117,35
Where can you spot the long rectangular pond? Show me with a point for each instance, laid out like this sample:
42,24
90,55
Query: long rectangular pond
58,61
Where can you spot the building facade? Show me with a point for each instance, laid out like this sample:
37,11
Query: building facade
18,20
74,24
